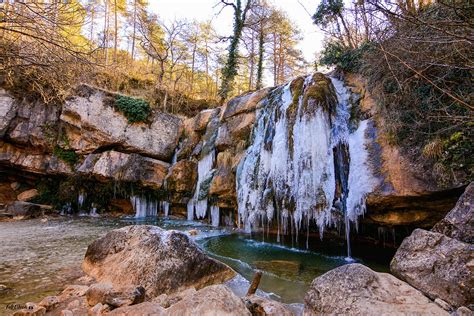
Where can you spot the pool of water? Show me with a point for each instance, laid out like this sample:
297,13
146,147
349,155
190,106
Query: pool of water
37,258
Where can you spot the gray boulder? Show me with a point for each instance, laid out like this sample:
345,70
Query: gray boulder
161,261
354,289
459,222
439,266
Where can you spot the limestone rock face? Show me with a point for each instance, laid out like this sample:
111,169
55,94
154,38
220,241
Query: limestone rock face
223,183
97,124
148,256
459,222
355,289
125,167
211,300
439,266
35,124
181,179
7,111
31,161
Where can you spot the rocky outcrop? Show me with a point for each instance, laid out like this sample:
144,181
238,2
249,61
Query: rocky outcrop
181,179
92,122
459,222
160,261
440,262
7,111
262,306
125,167
355,289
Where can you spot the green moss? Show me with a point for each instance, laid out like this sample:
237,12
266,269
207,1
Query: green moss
135,110
69,156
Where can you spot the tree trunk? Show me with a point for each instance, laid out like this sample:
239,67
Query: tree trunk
260,59
115,30
106,31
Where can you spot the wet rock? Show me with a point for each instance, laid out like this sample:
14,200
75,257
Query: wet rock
24,209
181,179
146,308
240,126
193,232
7,110
124,206
223,140
263,306
161,261
223,182
15,186
459,222
49,302
94,123
211,300
354,289
114,165
436,265
27,195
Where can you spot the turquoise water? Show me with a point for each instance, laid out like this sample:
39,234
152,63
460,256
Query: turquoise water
37,258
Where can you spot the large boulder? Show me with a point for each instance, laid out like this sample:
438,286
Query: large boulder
145,309
459,222
161,261
439,266
355,289
93,122
212,300
114,165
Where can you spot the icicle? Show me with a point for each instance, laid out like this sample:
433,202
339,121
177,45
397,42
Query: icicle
215,215
198,204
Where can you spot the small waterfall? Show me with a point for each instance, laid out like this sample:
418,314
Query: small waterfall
144,207
215,215
197,205
304,164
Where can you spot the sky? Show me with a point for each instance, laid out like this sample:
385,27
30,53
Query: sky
202,10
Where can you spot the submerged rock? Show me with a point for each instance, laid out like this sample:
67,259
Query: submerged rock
355,289
161,261
439,266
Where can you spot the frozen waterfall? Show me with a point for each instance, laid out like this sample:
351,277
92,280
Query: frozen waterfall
304,164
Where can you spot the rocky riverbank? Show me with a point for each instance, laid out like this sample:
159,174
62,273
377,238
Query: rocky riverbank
145,270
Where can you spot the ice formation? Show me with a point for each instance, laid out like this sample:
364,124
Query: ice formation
304,165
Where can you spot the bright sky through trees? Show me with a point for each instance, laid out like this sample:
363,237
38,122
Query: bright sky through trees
209,9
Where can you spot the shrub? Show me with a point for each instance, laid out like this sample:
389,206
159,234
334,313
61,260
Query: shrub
336,54
135,110
69,156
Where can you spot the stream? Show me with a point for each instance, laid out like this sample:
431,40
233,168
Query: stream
39,257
